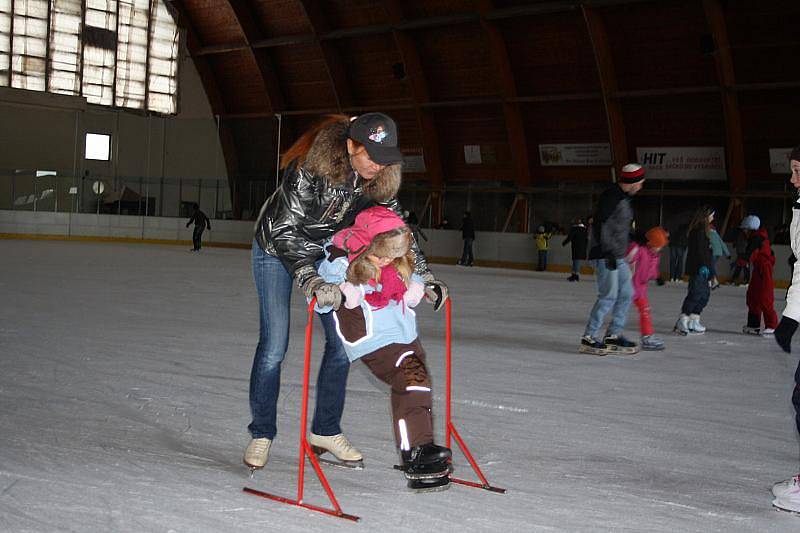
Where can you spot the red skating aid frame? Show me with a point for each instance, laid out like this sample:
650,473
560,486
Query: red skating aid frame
450,428
305,448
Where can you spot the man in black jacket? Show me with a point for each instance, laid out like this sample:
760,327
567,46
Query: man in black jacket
468,235
612,223
201,222
579,237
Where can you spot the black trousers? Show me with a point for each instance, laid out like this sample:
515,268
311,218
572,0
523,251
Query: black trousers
466,255
796,397
698,296
197,236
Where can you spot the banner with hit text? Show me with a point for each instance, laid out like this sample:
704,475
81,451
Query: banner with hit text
683,162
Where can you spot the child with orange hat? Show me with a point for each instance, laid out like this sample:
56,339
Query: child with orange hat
644,260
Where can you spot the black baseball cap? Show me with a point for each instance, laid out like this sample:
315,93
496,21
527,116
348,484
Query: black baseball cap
378,133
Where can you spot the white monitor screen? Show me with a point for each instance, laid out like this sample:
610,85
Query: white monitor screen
98,146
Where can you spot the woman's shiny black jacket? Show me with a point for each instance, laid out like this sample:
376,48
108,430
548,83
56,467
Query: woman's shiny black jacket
305,211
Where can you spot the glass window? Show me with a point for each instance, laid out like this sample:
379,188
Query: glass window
98,146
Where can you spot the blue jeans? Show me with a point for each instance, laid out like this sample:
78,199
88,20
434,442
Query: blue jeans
274,286
614,293
576,266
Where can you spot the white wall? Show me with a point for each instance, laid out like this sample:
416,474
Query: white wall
518,249
47,131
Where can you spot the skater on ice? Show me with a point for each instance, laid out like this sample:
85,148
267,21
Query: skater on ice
787,493
644,259
698,268
373,264
578,237
610,234
201,222
761,290
332,172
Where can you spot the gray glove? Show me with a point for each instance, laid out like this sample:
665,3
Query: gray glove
327,294
436,291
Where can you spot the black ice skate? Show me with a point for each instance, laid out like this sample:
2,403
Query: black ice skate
426,462
617,344
592,346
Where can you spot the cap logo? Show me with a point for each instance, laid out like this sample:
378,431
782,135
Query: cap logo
378,135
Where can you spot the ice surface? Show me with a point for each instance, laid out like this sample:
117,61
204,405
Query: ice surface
123,406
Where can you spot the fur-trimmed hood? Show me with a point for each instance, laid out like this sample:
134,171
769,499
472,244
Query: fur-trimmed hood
328,158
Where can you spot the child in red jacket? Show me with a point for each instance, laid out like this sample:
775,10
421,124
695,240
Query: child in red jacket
644,261
761,291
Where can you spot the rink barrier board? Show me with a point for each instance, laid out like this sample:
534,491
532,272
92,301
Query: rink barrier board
585,270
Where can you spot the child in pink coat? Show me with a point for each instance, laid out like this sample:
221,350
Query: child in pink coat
644,261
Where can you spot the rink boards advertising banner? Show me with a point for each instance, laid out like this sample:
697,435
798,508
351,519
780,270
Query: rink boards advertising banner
577,154
779,160
685,163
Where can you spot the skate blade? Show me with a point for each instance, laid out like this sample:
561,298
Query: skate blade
623,351
592,351
440,488
350,465
652,348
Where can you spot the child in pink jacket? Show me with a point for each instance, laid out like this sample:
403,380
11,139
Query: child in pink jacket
644,261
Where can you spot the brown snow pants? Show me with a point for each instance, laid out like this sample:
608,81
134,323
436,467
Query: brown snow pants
402,367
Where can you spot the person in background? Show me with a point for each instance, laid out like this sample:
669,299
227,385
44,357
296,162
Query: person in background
610,235
742,265
644,259
698,266
761,290
718,249
542,246
468,236
677,252
787,493
579,238
201,222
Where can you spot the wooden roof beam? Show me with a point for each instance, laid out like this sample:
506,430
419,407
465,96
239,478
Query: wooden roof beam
507,87
418,84
333,59
608,85
730,101
417,24
246,19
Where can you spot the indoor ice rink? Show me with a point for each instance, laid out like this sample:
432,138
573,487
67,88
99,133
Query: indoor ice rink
144,143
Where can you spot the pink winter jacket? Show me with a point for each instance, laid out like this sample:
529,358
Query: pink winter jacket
644,265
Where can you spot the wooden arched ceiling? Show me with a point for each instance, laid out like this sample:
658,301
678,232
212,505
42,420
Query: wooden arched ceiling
512,74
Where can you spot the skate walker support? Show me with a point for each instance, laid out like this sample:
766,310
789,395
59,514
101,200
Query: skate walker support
450,428
305,448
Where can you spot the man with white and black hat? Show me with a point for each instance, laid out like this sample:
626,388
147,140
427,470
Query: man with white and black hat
609,243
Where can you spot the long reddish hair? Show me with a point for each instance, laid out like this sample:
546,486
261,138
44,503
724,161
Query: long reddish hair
299,150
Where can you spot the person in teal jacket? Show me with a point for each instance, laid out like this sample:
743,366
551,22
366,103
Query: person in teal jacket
718,249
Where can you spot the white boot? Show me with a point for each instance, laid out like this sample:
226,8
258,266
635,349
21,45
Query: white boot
338,445
789,500
682,325
257,453
694,324
786,486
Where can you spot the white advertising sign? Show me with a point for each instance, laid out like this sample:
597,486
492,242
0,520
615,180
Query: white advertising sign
683,162
472,154
578,154
779,160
